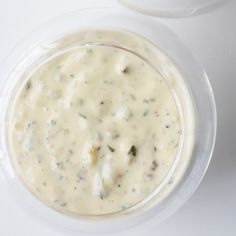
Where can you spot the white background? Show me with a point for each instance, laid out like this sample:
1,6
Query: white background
212,39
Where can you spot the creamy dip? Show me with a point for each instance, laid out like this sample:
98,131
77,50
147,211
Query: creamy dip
94,130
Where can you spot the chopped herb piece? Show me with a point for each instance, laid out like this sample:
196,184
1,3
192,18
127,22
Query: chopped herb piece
126,70
133,151
154,165
61,177
30,124
107,82
167,126
53,122
89,50
118,185
170,181
145,101
100,120
79,178
83,116
80,101
38,190
101,196
155,149
157,113
145,113
60,165
28,85
110,148
176,145
115,136
72,75
71,151
132,96
150,175
101,102
63,204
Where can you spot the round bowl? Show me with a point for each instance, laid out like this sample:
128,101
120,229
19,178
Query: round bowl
37,43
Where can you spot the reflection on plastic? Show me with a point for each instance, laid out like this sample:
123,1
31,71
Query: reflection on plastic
6,170
173,8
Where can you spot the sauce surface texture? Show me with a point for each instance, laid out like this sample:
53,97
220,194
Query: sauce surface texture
94,130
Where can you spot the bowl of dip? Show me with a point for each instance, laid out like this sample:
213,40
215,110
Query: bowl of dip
108,121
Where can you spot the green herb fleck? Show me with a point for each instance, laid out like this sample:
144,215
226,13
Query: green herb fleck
107,82
80,101
101,196
110,148
176,145
115,136
53,122
133,97
170,181
61,177
83,116
63,204
154,165
155,149
30,124
28,85
79,178
157,113
152,100
133,151
89,50
71,151
126,70
145,113
60,165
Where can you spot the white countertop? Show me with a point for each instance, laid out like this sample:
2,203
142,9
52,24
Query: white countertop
212,39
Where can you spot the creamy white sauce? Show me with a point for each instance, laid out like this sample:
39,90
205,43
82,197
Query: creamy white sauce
95,129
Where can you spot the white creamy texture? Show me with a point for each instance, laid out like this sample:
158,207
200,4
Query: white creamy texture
94,130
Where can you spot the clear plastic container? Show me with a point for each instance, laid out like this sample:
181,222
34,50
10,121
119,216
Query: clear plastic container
40,43
172,8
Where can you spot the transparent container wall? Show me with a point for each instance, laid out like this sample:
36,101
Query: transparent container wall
172,8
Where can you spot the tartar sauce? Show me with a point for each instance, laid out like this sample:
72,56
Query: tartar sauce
94,130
